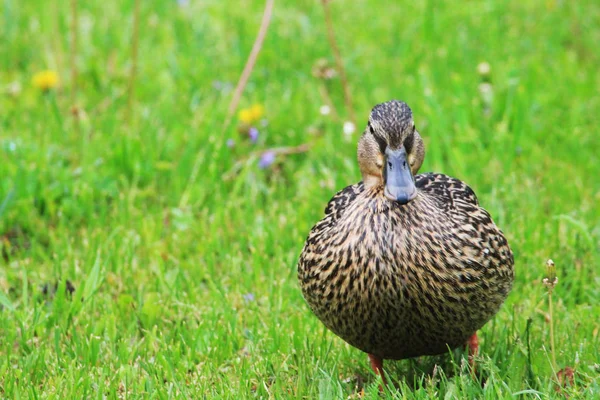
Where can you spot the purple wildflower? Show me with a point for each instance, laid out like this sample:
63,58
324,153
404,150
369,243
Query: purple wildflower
221,86
248,297
253,133
183,3
267,158
230,143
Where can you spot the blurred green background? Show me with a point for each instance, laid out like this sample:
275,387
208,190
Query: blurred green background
180,238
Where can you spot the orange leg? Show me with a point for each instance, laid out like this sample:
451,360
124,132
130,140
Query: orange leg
473,344
377,365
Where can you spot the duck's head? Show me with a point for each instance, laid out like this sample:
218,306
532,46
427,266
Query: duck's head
391,151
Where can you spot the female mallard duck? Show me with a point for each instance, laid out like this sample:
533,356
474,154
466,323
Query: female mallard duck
404,265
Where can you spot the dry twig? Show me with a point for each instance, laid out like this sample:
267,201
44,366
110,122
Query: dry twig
237,93
258,42
338,60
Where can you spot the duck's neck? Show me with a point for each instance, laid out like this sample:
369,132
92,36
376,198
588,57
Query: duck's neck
372,181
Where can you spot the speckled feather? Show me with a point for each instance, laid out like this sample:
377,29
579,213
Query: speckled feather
400,281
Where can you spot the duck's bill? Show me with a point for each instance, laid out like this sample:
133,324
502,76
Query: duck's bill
399,181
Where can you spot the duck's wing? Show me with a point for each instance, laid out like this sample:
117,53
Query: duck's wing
340,201
453,192
458,199
336,207
318,238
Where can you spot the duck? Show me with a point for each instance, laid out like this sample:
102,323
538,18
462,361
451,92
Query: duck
404,264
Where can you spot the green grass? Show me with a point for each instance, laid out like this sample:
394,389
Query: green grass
186,284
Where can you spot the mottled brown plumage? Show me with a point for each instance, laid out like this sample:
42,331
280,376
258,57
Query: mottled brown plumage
403,280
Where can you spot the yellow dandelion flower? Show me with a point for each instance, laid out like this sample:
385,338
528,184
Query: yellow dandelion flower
257,111
45,80
252,114
245,116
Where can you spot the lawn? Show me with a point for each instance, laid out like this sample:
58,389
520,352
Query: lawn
149,251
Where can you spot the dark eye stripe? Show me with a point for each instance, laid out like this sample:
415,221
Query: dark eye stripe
409,141
381,142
